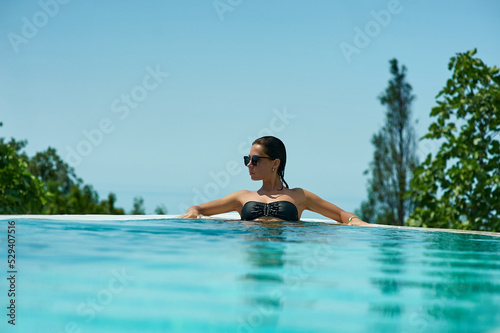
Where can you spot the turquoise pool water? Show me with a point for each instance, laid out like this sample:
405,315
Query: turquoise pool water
168,275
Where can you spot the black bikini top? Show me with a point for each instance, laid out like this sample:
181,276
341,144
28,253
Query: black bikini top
284,210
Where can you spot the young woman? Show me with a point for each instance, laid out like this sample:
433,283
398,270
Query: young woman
275,201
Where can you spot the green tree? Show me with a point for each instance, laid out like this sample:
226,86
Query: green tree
138,208
67,194
45,184
394,158
109,206
459,186
20,191
51,169
161,210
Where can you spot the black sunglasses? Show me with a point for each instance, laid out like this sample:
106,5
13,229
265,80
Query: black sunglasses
255,159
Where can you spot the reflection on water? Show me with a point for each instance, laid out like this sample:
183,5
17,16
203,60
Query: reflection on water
425,280
446,275
389,259
463,270
265,254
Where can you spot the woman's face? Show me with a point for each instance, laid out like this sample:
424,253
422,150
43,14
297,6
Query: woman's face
264,167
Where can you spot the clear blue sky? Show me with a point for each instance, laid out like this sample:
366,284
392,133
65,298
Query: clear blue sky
178,89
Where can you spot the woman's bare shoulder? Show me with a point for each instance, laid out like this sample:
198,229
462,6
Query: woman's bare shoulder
303,194
300,192
242,194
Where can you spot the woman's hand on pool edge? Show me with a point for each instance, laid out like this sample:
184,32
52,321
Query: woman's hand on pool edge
359,223
191,213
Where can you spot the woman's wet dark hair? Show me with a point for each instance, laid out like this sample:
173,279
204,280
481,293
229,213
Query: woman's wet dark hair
274,148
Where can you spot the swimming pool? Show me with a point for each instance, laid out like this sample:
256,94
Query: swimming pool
140,274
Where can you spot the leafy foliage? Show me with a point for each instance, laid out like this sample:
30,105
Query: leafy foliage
459,187
20,191
45,184
161,210
138,208
109,206
67,193
52,170
394,158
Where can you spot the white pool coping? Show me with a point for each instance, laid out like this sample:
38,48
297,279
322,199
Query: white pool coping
97,217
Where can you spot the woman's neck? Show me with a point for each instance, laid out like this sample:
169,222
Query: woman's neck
271,185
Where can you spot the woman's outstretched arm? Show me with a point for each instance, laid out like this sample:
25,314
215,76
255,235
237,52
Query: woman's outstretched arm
316,204
226,204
